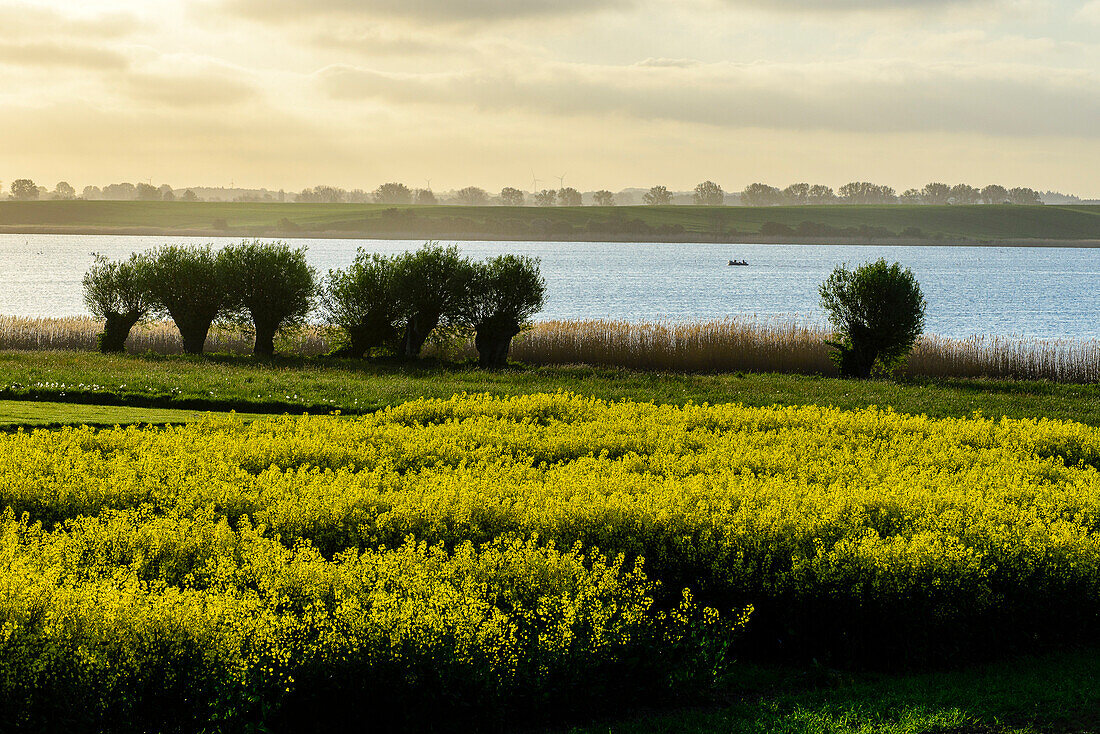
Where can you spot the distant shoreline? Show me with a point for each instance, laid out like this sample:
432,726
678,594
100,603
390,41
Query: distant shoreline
685,238
979,225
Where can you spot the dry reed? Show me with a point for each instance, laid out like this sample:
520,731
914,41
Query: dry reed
726,345
78,333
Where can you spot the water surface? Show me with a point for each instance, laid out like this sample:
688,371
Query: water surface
1020,291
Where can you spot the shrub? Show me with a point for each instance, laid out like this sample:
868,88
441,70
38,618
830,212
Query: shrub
118,292
432,286
362,302
271,285
506,291
878,313
189,284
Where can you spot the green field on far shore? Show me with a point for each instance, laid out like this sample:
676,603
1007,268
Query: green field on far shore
978,224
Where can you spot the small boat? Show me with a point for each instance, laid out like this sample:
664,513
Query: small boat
738,262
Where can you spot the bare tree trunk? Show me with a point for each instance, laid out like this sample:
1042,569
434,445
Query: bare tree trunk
194,334
115,332
492,349
265,341
417,330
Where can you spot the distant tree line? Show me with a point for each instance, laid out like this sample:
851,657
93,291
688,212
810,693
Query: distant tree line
864,192
24,189
707,193
379,305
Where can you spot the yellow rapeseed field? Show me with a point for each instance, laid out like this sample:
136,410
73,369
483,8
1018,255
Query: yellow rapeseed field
513,553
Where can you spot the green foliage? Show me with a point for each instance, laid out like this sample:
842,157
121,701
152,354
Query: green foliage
432,286
119,292
708,193
269,284
393,193
657,196
505,292
510,196
24,189
362,301
189,284
569,196
878,313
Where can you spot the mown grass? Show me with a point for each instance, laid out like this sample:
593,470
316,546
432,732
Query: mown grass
39,414
974,223
316,385
1056,693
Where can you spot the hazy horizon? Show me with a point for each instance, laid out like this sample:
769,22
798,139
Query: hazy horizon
611,93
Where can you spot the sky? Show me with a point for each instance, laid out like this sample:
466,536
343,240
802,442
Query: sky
607,93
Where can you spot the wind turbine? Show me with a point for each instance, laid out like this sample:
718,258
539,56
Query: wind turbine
534,183
561,181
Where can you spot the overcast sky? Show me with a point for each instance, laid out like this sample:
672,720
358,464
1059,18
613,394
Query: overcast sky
610,93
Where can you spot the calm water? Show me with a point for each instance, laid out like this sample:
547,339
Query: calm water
1033,292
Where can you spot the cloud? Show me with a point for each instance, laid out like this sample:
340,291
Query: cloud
376,41
188,90
669,63
52,54
36,36
22,20
431,11
1090,12
852,4
868,97
99,143
823,7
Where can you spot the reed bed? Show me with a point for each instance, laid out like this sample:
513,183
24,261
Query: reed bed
78,333
726,345
723,345
1058,360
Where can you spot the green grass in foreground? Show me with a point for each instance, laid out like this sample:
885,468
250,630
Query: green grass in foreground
37,414
320,386
977,223
1058,692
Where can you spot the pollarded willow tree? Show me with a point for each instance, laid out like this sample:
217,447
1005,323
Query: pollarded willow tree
505,293
189,284
431,285
270,285
118,292
878,313
363,303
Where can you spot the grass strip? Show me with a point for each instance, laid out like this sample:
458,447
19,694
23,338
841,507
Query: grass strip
319,385
38,414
